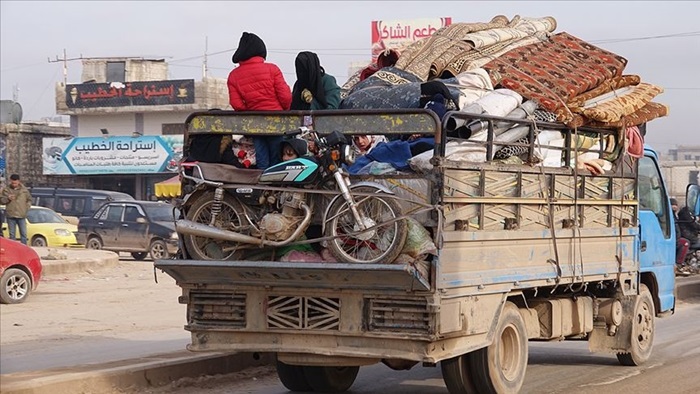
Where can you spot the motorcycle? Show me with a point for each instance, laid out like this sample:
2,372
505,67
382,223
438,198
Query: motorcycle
362,222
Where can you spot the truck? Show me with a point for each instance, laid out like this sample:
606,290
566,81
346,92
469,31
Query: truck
522,253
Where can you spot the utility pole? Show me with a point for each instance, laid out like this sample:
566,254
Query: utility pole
206,49
65,61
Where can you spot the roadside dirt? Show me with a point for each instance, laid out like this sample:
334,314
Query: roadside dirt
107,305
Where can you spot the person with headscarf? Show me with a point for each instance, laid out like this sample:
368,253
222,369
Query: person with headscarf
314,88
256,85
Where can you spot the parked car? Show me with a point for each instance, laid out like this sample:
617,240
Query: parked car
20,271
47,228
74,203
139,227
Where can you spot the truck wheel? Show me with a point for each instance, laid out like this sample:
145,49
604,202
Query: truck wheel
642,330
330,379
292,377
383,244
94,243
500,367
457,374
203,248
158,250
15,286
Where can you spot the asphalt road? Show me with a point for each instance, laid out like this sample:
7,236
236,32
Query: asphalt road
565,367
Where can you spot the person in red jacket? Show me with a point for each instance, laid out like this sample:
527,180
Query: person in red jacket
258,86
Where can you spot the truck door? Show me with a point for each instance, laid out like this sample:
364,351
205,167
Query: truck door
657,242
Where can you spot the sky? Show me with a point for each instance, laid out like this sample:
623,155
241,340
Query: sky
661,41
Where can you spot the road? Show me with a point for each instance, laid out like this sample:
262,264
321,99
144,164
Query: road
565,368
93,317
122,313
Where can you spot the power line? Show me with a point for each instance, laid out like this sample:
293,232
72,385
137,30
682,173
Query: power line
675,35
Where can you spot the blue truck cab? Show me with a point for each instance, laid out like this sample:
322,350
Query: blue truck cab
657,238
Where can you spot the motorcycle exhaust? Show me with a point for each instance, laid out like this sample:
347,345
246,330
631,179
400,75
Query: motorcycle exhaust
184,226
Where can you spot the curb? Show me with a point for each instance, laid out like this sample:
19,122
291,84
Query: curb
688,287
76,260
124,375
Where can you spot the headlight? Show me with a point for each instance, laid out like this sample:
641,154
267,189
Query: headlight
348,155
173,236
62,232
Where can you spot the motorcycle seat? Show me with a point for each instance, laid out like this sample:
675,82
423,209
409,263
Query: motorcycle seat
226,173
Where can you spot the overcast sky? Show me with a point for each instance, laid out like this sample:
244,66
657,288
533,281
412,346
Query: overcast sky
661,40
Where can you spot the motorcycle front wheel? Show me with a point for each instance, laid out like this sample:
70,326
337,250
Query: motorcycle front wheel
203,248
383,240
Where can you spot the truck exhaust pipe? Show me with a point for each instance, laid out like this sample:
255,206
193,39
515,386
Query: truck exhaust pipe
188,227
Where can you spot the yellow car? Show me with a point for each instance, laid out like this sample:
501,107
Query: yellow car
46,228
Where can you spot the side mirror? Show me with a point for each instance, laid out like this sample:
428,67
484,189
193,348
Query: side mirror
692,201
141,220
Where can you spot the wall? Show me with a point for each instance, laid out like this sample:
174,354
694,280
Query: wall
135,70
116,124
25,157
153,122
676,175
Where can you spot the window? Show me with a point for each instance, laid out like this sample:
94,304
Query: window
116,72
689,157
131,214
46,202
114,213
652,196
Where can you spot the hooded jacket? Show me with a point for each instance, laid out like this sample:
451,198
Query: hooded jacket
256,85
325,92
19,206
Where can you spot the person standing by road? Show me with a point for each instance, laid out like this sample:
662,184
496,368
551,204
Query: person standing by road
17,200
258,86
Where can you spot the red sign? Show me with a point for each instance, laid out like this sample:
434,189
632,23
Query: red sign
397,34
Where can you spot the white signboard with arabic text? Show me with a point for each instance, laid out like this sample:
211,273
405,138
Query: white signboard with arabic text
111,155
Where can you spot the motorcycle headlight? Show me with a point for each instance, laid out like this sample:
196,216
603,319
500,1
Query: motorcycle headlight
348,155
173,236
62,232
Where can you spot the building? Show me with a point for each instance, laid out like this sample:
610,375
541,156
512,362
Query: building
21,151
681,166
126,123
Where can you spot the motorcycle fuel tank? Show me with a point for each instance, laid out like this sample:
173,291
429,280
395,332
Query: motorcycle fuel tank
296,171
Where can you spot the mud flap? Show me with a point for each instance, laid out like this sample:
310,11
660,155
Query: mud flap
289,274
608,338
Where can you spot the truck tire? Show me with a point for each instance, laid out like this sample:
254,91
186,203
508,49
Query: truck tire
330,379
381,245
643,329
15,286
457,374
202,248
500,367
292,377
